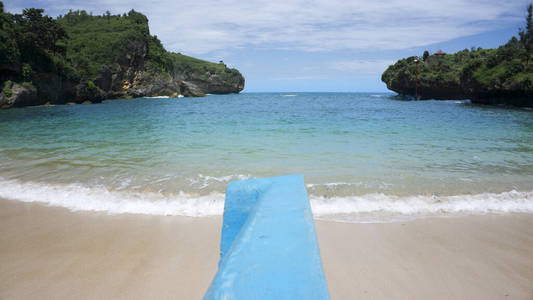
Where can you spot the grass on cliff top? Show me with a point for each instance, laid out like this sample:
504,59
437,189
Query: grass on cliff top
97,40
109,39
505,67
201,68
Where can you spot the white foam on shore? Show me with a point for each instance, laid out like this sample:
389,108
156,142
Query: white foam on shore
381,205
380,185
203,181
77,197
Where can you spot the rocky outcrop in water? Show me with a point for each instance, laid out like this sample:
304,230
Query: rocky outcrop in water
502,76
450,77
14,94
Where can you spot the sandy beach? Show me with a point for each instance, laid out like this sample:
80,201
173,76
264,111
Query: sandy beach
53,253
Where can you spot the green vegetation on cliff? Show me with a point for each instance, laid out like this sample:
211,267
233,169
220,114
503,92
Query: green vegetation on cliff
79,57
100,40
104,40
492,76
30,42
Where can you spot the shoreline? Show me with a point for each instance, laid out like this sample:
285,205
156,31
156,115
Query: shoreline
365,208
51,252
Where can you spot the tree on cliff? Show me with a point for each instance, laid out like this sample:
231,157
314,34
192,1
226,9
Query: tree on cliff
9,52
30,42
425,55
36,32
526,34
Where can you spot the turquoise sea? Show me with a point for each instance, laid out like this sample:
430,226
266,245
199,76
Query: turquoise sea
365,157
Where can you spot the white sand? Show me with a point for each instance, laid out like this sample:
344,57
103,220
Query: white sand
52,253
476,257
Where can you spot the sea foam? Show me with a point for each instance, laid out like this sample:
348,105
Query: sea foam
158,97
374,207
77,197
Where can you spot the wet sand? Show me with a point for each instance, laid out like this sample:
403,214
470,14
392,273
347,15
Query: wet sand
52,253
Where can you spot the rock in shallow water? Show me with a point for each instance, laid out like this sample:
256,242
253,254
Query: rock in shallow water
17,95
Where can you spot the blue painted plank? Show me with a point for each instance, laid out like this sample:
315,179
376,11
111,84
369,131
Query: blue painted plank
268,247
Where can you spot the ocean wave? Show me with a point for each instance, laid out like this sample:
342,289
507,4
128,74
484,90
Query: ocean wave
158,97
380,185
77,197
203,181
377,207
389,206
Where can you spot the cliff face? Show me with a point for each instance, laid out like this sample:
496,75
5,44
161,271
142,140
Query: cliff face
486,76
14,94
132,77
107,57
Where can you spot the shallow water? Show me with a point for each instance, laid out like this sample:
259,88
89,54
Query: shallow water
362,155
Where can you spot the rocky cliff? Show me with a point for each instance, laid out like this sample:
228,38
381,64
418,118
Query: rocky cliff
499,76
502,76
481,75
97,58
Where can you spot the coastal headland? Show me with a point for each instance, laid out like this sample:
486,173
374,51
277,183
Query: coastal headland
501,76
84,58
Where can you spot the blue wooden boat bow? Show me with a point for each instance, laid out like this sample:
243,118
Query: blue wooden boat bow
268,248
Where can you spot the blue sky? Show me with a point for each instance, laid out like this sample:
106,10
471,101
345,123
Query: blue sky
319,45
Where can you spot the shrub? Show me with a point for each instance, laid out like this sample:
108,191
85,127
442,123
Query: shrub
27,72
8,92
91,85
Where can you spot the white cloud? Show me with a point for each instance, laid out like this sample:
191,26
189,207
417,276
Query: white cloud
201,26
369,67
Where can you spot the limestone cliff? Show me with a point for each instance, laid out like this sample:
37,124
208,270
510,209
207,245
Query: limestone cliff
98,58
502,76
